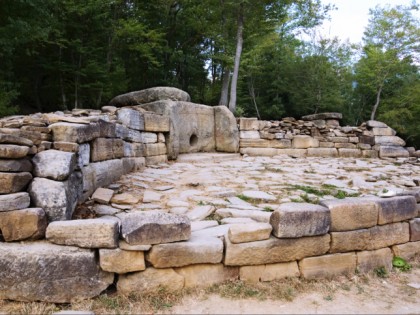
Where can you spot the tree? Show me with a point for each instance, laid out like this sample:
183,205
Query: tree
390,44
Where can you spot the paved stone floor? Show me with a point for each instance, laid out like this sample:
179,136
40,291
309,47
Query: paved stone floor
236,189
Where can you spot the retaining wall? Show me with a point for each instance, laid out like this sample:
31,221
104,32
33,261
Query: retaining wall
52,162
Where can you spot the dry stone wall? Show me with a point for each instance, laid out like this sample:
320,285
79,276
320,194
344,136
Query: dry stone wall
50,163
320,135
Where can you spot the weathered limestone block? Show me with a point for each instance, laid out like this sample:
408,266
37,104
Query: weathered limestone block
26,224
328,266
392,151
372,154
83,157
138,248
346,147
274,250
263,143
376,124
150,280
326,145
352,213
250,232
338,139
388,235
125,199
269,272
225,130
66,146
149,137
144,228
350,241
14,182
350,153
128,134
155,123
58,199
158,159
103,195
12,139
197,250
293,152
323,116
248,124
11,151
51,273
34,136
134,149
77,133
88,233
389,140
106,149
322,152
54,164
354,140
153,149
407,250
133,164
384,131
249,134
15,201
365,139
150,95
293,220
415,230
15,165
370,260
202,275
257,215
121,261
259,151
304,142
131,118
396,209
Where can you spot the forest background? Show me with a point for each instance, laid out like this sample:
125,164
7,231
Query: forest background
245,54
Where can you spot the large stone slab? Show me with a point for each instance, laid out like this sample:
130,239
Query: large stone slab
121,261
12,139
200,212
396,209
226,130
384,131
154,149
76,133
269,272
14,182
388,235
16,201
51,273
134,149
304,142
128,134
131,118
11,151
258,195
58,199
259,151
349,153
25,224
328,266
150,280
156,123
249,232
203,275
197,250
300,219
274,250
322,152
257,215
370,260
350,241
15,165
352,213
106,149
249,134
150,95
88,233
249,124
144,228
392,151
376,124
389,140
54,164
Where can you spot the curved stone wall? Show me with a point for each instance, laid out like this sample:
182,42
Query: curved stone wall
51,163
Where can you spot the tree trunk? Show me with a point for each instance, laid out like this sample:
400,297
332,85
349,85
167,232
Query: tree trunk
239,43
253,97
76,84
378,99
225,87
62,89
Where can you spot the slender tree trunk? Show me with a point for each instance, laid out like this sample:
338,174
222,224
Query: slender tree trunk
378,99
225,87
253,97
108,69
76,83
62,89
239,43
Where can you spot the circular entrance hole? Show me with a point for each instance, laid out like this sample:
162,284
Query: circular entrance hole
193,140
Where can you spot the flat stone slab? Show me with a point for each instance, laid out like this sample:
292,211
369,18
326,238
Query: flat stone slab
201,225
145,228
103,195
200,212
11,151
300,219
396,209
257,215
15,165
89,233
150,95
50,273
16,201
151,196
14,182
121,261
197,250
328,266
259,195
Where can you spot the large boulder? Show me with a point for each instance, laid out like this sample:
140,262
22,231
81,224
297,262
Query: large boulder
51,273
226,130
150,95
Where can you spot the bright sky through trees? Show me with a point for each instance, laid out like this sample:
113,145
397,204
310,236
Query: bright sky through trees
351,17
